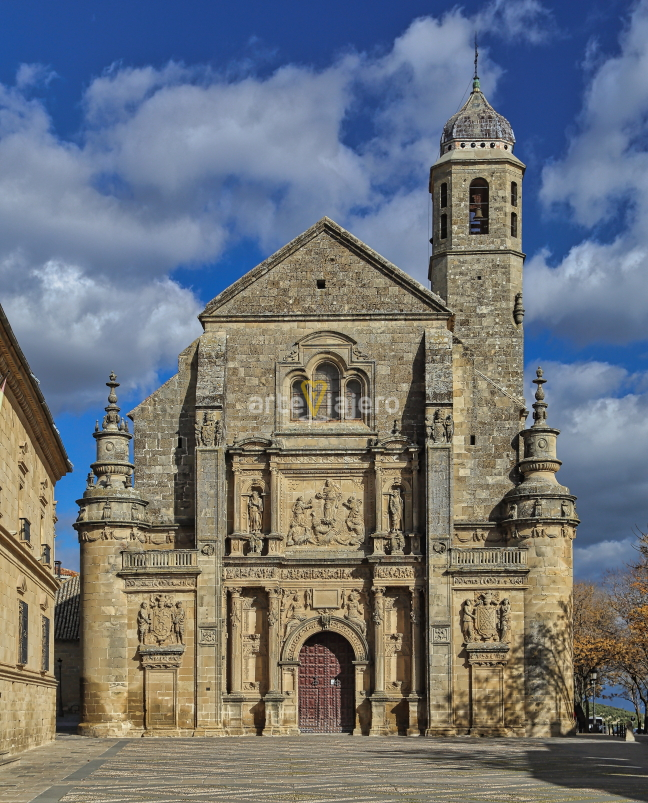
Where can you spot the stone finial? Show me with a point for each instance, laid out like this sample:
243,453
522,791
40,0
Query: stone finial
518,309
111,419
539,406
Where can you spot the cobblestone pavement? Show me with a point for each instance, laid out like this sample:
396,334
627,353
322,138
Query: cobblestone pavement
329,769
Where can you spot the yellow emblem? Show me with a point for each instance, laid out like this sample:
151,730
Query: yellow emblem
314,391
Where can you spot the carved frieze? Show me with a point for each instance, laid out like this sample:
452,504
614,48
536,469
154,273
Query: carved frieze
398,572
489,580
158,583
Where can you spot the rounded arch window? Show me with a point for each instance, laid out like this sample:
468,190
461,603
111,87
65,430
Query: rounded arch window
478,205
353,406
325,392
298,403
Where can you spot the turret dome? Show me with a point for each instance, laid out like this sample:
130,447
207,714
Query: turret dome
477,125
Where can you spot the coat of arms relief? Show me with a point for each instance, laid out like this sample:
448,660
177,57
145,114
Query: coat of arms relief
486,618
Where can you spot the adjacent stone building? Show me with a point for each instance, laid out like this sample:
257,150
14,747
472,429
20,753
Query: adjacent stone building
32,460
67,643
340,522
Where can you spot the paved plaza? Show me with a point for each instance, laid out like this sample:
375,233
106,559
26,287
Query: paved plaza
323,769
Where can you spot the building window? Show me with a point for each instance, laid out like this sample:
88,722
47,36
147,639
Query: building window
353,409
325,393
25,530
329,394
45,644
444,195
514,228
478,206
23,632
444,226
298,403
514,193
46,553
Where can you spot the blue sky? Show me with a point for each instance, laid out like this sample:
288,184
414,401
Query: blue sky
151,153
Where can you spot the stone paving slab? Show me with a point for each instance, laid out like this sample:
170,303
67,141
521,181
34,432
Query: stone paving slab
329,769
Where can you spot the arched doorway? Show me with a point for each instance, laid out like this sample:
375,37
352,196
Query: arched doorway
326,679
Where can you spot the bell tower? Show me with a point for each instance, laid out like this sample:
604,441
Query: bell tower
476,267
477,259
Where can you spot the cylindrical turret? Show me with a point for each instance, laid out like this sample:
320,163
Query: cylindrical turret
111,518
541,512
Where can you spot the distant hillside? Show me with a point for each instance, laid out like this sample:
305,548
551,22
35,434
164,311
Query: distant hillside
609,711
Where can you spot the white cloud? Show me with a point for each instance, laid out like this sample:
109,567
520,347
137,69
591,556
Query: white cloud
592,562
31,75
598,292
602,412
172,165
79,327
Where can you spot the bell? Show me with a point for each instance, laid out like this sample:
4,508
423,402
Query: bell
478,213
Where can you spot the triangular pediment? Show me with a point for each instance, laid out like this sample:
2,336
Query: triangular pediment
325,272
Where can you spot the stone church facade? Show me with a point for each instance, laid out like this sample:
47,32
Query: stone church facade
340,521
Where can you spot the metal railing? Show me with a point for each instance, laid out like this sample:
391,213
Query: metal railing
159,559
489,557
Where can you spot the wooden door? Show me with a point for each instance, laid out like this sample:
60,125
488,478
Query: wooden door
326,679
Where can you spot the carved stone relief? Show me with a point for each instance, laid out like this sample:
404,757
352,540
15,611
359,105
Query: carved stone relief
331,516
485,618
161,622
440,427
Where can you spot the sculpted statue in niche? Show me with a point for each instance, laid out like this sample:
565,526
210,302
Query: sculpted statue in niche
107,511
537,508
395,510
565,509
160,623
299,531
512,510
255,512
354,612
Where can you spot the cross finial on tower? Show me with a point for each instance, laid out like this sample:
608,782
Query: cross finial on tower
476,76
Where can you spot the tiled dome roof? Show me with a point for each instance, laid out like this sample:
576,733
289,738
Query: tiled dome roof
477,120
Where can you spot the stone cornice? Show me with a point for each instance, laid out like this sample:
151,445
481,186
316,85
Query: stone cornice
27,560
24,388
27,676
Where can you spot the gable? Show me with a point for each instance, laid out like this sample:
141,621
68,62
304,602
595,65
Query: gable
353,280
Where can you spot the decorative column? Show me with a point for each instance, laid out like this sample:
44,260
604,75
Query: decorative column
415,537
274,698
415,643
380,536
275,539
237,539
234,700
379,699
235,641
